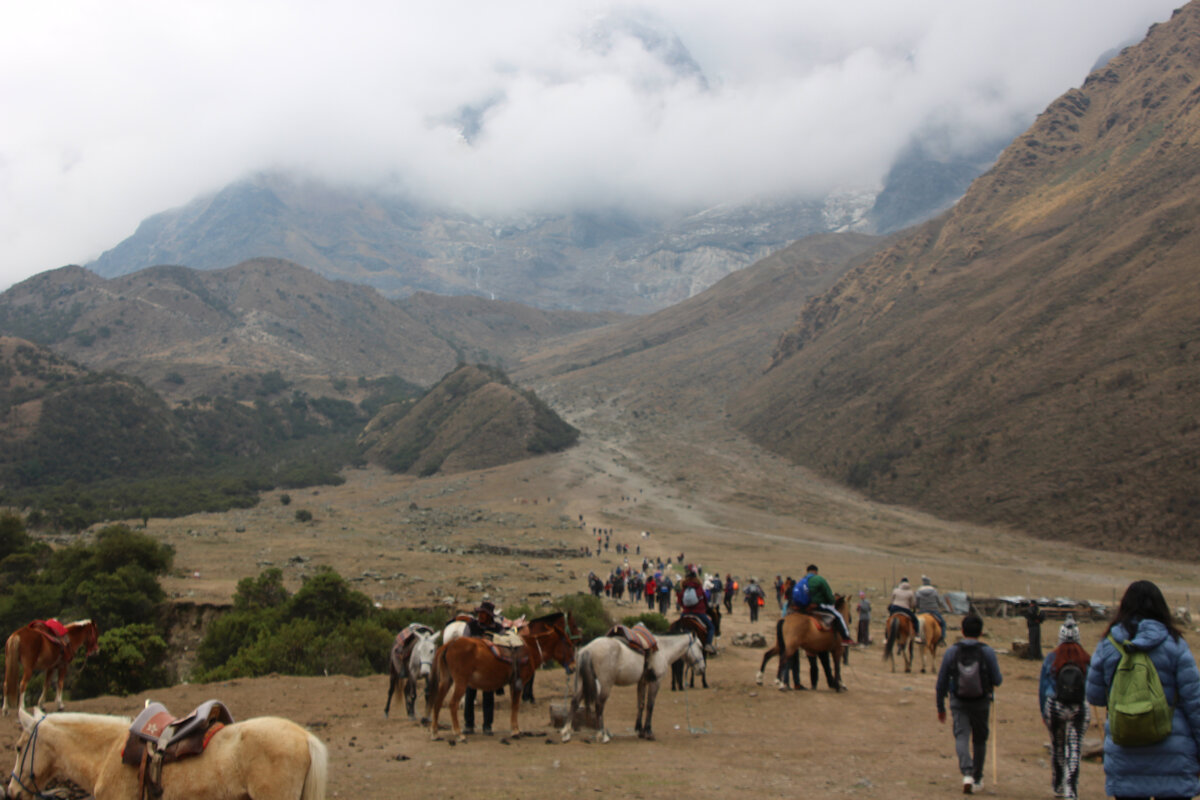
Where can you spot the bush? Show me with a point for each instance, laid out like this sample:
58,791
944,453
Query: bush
303,515
588,613
130,660
656,622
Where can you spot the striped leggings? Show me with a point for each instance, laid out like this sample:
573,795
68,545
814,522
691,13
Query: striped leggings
1067,725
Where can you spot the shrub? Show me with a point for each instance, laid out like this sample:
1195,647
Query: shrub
130,660
303,515
656,622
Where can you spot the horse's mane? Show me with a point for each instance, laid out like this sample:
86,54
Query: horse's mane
79,623
549,618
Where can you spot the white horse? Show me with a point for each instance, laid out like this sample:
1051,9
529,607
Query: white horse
411,661
606,662
266,758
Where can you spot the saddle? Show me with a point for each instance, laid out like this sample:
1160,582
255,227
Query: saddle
509,647
639,639
821,618
690,623
55,632
156,737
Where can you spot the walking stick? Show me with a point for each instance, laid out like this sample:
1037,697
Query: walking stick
995,730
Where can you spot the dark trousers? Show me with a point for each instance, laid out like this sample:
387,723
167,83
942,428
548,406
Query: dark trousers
970,734
489,707
650,601
864,631
753,601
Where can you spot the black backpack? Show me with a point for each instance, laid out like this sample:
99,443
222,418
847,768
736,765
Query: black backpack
1069,685
972,681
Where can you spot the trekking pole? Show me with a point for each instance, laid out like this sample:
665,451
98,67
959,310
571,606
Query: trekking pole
995,730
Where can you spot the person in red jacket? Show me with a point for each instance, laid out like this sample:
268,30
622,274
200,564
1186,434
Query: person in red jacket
693,600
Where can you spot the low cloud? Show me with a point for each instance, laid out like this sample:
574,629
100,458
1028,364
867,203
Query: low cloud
116,111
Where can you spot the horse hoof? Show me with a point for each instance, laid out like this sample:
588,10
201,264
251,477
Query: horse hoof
566,737
648,736
461,738
758,679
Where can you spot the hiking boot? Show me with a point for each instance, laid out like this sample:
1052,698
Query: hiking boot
487,731
468,729
968,784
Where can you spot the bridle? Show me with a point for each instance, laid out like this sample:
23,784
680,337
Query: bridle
30,752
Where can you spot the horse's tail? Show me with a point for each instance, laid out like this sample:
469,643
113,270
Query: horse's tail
587,679
893,633
12,671
317,776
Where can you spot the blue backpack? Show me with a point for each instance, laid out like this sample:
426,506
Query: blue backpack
800,597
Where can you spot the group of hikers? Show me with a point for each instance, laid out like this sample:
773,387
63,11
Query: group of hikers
1141,671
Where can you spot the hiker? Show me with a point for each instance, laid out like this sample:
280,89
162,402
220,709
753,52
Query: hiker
651,589
1169,767
730,592
1034,617
715,589
903,601
779,591
821,596
692,601
665,585
968,674
483,625
929,601
864,618
1061,697
754,598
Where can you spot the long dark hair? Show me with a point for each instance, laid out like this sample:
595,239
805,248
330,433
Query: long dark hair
1143,600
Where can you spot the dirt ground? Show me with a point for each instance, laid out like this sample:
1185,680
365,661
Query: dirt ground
696,488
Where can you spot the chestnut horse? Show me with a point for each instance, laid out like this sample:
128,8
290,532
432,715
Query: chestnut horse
266,758
468,661
801,631
934,635
35,649
901,635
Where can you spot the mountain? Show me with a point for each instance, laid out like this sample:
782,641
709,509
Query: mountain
188,332
1031,357
599,260
473,418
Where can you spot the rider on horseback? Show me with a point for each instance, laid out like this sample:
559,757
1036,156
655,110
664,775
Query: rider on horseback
693,601
929,601
903,601
821,595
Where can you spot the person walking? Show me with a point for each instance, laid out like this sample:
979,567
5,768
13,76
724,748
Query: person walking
730,592
754,598
1034,617
1061,697
1169,768
864,618
665,585
968,675
779,591
651,590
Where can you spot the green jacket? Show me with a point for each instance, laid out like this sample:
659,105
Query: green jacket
819,591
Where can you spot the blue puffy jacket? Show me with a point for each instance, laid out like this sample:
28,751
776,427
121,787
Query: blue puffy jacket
1169,768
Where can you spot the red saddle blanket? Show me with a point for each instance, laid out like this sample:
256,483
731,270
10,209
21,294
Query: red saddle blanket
52,625
638,638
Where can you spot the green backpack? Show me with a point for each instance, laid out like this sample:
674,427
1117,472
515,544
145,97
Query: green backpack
1138,712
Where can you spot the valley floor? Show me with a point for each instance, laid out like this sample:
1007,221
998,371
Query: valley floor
698,489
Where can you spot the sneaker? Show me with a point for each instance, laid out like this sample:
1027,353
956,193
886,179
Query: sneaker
468,729
847,643
968,784
487,731
978,785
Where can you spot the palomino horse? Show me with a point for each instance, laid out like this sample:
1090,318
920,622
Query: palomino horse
606,662
266,758
467,661
35,649
802,631
900,634
934,635
411,661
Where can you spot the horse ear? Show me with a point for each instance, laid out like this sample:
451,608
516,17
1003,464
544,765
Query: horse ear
27,719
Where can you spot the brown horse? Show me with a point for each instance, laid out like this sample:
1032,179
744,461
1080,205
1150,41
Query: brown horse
802,631
934,635
901,635
468,661
35,648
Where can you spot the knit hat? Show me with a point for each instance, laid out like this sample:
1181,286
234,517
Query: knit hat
1069,632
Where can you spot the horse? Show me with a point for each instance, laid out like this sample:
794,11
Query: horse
266,758
688,624
470,661
34,648
458,627
933,637
801,631
410,661
606,662
900,633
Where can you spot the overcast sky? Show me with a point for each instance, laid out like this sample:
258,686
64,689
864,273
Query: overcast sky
113,111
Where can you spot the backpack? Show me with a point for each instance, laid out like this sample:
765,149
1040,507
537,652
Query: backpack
800,593
1069,685
690,598
968,664
1138,712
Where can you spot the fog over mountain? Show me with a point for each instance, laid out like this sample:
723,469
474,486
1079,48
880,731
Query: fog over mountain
504,110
